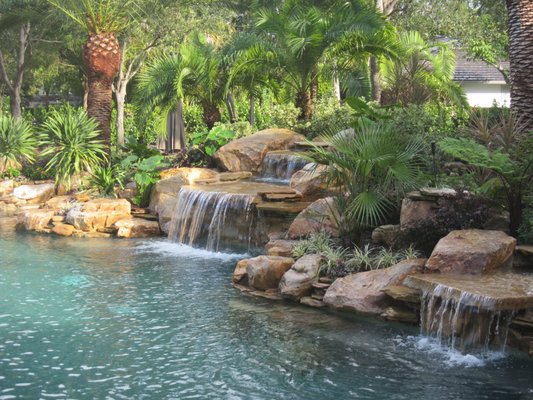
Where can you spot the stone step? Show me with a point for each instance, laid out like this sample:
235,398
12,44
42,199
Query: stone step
321,285
317,296
282,207
309,301
325,279
403,293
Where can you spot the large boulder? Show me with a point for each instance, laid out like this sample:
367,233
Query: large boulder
137,228
163,196
35,220
297,282
472,251
319,216
246,154
6,187
34,193
265,272
98,214
59,203
310,181
363,292
280,247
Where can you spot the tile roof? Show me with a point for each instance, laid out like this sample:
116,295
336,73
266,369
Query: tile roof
477,71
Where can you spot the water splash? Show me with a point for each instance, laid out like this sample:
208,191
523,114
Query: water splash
211,217
280,166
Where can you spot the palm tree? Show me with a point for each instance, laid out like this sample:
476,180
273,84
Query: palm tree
422,73
297,37
520,14
102,20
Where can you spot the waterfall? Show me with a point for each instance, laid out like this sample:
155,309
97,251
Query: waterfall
280,166
212,219
470,320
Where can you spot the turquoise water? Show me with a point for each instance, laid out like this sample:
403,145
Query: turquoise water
119,319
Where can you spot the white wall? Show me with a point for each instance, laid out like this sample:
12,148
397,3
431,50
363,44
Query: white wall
484,94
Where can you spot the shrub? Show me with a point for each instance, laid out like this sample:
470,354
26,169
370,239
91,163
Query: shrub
17,143
71,137
145,173
105,179
329,117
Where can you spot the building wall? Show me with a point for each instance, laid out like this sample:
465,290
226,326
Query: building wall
483,94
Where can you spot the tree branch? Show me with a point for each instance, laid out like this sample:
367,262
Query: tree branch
3,73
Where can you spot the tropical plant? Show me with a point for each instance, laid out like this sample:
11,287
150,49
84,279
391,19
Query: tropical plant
422,72
17,143
370,169
105,179
145,173
72,140
102,20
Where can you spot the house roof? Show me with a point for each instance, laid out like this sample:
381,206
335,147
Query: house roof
477,71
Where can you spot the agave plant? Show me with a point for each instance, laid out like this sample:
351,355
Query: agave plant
71,137
17,143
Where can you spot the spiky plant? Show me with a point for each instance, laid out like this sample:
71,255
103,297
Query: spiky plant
72,139
17,142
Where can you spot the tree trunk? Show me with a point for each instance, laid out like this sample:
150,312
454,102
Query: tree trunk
120,96
232,110
101,58
251,114
516,207
375,79
85,99
211,114
314,89
520,14
14,86
181,126
303,102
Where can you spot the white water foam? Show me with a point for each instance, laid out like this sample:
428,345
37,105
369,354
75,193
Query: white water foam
449,357
182,250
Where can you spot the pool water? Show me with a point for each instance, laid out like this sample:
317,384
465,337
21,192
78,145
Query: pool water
149,319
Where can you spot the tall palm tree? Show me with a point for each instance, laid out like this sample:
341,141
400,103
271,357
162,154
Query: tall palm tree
102,20
296,38
520,14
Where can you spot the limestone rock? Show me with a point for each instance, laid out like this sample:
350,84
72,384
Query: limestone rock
62,229
59,202
239,274
137,228
35,220
363,292
98,214
310,181
34,193
246,154
402,314
385,234
297,282
163,196
6,187
403,293
280,247
265,272
415,211
472,251
318,216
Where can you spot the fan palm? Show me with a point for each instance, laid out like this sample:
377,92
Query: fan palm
367,168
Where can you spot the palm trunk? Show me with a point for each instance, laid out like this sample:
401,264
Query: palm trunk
375,79
232,111
303,102
251,114
211,114
101,58
520,14
181,126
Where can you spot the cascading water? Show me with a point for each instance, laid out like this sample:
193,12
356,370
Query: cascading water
280,166
471,320
212,219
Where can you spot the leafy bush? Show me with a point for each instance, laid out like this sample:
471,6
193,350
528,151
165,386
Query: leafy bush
17,143
271,115
105,179
71,137
145,173
525,231
328,117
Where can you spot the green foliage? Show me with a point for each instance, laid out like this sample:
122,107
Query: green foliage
273,115
211,141
72,142
317,243
145,173
368,169
525,231
328,117
17,143
106,179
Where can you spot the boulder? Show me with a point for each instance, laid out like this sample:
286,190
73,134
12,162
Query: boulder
137,228
129,192
386,234
297,282
58,203
98,214
239,274
318,216
35,220
6,187
472,251
280,247
415,211
310,181
34,193
163,196
62,229
363,292
246,154
265,272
